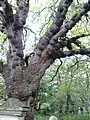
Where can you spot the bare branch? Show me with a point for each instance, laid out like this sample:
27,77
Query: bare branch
70,24
56,71
26,28
62,54
35,36
76,63
75,40
45,25
78,36
37,14
66,42
60,16
66,27
57,23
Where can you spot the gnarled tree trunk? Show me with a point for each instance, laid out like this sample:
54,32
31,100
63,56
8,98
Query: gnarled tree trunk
22,82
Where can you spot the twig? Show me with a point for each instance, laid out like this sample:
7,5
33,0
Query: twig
56,71
26,28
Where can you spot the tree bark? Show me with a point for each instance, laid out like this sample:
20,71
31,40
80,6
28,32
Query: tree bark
23,82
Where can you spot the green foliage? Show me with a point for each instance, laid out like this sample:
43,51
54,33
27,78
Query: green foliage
72,79
75,117
41,117
3,44
2,90
66,117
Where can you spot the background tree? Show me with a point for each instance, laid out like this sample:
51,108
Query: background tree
22,82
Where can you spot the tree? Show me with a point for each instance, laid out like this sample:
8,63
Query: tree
22,82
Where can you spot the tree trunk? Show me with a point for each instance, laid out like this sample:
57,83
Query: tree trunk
22,82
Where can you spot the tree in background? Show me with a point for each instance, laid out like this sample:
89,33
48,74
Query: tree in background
69,89
22,82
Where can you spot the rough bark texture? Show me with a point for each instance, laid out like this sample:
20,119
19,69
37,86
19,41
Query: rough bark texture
22,82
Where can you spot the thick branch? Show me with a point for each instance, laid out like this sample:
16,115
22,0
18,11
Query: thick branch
55,27
66,27
62,54
21,13
15,54
8,13
66,42
69,25
75,41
